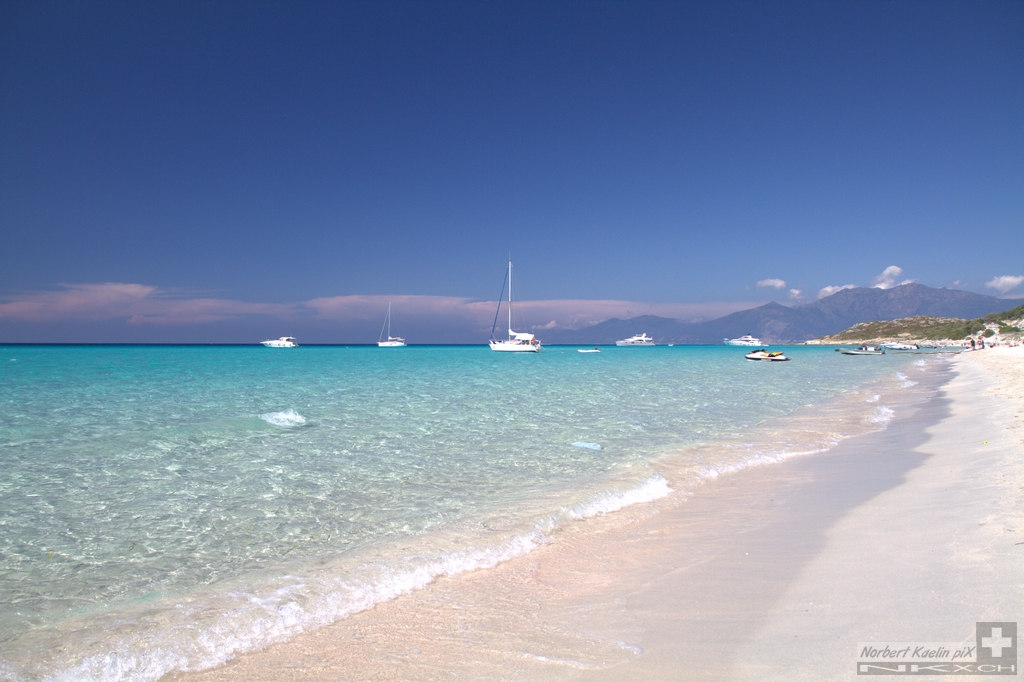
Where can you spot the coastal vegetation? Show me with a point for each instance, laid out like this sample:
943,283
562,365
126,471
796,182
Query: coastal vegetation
923,328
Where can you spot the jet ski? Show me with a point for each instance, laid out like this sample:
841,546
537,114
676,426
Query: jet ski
762,354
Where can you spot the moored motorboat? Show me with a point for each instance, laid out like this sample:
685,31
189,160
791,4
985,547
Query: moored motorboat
595,349
863,350
638,340
762,354
745,340
899,346
283,342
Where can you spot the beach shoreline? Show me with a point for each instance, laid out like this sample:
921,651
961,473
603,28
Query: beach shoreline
280,494
746,579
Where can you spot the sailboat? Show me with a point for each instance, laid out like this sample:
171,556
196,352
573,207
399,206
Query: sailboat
393,341
518,342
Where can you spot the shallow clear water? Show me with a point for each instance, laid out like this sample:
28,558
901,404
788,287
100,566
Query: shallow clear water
167,507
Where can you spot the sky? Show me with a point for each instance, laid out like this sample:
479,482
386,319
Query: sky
226,172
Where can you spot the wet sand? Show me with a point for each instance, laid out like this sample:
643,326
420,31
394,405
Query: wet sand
775,572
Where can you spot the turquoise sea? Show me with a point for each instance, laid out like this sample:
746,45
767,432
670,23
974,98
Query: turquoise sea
168,507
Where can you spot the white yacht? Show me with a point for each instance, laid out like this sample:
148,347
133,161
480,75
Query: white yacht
283,342
638,340
518,342
745,340
393,341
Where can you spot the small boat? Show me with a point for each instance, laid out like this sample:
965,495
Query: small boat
863,350
283,342
638,340
745,340
595,349
518,342
762,354
899,346
393,341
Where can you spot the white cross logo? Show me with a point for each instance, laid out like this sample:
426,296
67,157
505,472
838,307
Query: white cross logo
997,642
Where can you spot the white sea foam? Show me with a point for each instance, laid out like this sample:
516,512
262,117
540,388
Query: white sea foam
587,446
568,662
763,456
652,489
881,415
250,621
253,621
904,381
285,419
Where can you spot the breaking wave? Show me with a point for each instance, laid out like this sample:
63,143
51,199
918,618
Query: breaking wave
652,489
249,621
904,381
881,415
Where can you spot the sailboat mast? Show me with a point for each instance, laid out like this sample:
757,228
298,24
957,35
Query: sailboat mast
510,298
389,320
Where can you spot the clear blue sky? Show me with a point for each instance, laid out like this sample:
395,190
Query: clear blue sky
663,153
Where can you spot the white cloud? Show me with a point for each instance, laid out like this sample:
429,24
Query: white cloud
1005,283
140,304
796,294
776,283
887,280
829,290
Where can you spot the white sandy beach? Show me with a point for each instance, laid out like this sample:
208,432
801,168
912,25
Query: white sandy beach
913,533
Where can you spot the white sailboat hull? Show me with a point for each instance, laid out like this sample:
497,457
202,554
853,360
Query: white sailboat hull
390,344
515,347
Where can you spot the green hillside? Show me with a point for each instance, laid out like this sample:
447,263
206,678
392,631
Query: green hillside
923,328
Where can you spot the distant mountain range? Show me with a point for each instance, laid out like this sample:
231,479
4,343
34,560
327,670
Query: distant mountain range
776,323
